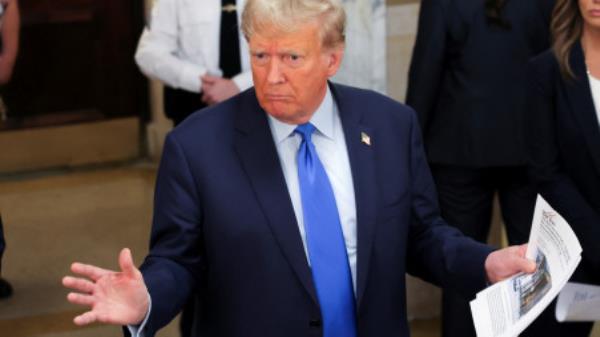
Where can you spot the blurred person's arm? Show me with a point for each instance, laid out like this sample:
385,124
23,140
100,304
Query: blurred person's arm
10,40
243,80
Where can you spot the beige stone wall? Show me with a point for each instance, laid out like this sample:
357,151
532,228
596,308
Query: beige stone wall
401,32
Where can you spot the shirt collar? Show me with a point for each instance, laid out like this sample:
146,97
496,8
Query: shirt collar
322,119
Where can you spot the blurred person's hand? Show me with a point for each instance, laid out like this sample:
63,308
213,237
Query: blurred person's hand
216,89
504,263
113,297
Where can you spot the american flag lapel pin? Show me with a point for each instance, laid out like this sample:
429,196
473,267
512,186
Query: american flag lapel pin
365,138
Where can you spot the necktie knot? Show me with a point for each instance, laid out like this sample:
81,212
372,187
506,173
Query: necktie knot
305,130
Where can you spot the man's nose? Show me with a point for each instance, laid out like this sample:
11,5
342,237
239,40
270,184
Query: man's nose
275,74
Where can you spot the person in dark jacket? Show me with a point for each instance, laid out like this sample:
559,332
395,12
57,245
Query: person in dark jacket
565,132
467,83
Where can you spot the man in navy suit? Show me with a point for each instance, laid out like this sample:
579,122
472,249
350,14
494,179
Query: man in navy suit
239,220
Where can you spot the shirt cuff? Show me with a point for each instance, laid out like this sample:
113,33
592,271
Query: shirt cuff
243,80
189,77
138,330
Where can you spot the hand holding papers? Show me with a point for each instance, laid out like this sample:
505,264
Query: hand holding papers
508,307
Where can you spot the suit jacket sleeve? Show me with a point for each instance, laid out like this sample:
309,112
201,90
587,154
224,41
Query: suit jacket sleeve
439,253
174,264
545,162
427,63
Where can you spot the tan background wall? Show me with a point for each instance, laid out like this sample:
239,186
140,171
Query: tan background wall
159,125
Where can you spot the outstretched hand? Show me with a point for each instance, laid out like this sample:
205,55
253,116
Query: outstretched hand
507,262
113,297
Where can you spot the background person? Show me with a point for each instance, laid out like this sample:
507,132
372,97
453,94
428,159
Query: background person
196,49
565,132
467,83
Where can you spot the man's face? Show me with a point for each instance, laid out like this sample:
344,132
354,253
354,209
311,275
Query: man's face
290,71
590,10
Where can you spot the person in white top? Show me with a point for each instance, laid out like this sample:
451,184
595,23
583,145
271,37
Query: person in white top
181,47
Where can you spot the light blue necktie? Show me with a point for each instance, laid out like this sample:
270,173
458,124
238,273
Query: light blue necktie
325,241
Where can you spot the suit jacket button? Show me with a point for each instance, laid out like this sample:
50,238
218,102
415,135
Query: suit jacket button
315,323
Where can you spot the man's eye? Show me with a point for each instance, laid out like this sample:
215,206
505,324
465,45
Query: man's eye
260,58
293,59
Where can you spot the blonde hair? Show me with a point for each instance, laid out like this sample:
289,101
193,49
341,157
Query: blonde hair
566,28
288,15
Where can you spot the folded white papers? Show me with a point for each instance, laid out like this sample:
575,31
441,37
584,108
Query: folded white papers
506,308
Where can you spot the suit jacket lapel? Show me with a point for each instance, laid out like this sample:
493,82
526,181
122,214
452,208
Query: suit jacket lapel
580,99
362,164
259,158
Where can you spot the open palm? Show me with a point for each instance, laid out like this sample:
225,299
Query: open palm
113,297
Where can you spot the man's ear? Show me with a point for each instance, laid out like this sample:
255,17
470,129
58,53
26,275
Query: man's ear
334,60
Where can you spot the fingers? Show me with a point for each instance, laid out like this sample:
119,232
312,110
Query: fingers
520,261
208,92
85,318
209,79
208,99
126,263
89,271
526,265
79,284
81,299
522,249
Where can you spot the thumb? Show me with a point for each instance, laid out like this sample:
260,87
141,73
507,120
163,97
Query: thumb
528,265
522,249
523,264
126,262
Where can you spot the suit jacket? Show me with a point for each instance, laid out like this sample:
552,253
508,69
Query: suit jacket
467,79
224,224
565,149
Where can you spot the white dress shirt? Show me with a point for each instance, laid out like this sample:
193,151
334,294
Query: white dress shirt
595,87
181,44
330,144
